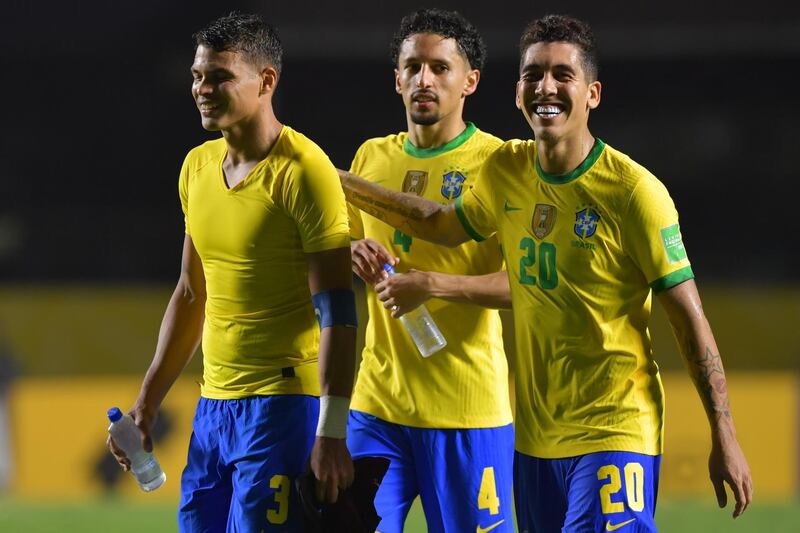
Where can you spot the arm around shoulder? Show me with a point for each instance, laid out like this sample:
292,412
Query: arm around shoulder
407,212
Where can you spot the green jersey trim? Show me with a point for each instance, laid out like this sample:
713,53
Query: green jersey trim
464,222
560,179
670,280
423,153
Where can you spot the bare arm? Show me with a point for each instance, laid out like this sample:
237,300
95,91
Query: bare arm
701,355
409,213
403,292
330,459
178,339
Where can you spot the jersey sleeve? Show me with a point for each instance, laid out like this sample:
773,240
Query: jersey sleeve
183,193
652,236
354,213
314,198
476,207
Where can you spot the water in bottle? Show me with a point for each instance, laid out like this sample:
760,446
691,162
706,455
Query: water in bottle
421,327
144,466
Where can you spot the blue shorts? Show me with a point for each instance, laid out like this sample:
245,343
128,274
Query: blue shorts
604,491
463,476
243,458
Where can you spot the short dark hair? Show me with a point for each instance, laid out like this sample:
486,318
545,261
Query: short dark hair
245,33
448,24
561,28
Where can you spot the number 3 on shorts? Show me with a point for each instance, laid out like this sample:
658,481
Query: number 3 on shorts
634,488
279,515
487,495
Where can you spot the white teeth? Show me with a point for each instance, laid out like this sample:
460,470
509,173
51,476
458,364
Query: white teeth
548,110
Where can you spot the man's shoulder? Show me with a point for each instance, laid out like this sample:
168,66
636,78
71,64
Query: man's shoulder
624,168
514,153
208,152
387,143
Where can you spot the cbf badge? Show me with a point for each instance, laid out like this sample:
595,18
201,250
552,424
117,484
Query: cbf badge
415,182
586,222
544,218
452,184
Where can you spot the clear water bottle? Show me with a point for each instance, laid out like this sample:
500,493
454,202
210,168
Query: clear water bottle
144,466
421,327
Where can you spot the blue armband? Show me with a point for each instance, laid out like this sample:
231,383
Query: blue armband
335,307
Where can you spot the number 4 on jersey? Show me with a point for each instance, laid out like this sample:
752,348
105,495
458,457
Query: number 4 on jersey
402,239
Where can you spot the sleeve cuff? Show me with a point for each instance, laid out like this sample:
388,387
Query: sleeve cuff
462,217
670,280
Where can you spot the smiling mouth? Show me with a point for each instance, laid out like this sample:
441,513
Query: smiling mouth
548,110
207,107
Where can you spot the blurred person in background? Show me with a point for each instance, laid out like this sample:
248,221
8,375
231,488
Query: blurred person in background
8,373
590,235
444,421
266,248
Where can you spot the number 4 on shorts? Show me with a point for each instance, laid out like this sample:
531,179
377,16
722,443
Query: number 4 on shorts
487,495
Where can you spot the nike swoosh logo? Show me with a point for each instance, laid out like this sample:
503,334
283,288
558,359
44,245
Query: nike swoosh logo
614,527
508,208
378,181
480,529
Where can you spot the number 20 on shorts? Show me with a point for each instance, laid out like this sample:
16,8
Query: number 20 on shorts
634,488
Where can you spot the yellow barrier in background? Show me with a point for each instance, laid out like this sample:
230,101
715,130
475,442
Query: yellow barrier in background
59,430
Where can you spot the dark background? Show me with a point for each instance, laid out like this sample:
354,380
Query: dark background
98,118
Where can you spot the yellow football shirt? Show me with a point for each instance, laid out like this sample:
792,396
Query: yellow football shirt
583,251
252,240
465,385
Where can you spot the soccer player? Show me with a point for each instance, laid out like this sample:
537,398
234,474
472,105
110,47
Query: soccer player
588,235
266,247
443,421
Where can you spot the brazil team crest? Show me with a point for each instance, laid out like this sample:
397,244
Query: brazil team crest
452,184
415,182
586,222
544,218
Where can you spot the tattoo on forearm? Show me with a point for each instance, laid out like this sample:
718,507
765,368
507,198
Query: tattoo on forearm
709,377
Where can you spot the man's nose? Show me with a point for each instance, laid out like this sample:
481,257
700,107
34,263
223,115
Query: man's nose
425,77
547,85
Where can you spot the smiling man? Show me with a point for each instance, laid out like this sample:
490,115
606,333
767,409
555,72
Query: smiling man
266,247
589,236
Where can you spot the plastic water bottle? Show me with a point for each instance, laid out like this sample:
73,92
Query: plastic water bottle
144,466
421,327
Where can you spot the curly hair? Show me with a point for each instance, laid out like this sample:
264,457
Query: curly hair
448,24
245,33
561,28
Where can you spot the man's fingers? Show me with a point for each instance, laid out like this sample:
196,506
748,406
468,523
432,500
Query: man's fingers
740,494
719,489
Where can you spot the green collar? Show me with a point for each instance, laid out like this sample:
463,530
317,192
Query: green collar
560,179
412,150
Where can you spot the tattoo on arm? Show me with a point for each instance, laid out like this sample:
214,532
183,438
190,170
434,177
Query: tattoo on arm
706,370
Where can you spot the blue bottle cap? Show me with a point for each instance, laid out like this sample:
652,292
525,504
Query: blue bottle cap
389,268
114,414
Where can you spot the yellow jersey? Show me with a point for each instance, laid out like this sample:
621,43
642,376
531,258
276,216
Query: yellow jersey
465,385
584,250
252,240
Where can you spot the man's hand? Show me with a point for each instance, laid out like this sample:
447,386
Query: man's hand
368,258
727,464
144,420
404,292
333,468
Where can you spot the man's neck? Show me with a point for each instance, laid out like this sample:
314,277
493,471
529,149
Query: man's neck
250,141
435,135
564,155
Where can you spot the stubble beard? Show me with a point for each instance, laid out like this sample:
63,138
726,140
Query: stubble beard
425,119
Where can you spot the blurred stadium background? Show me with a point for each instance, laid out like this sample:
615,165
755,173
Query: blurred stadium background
98,118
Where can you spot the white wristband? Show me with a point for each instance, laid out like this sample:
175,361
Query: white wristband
333,413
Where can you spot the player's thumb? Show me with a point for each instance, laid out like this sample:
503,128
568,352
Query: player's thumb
719,489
